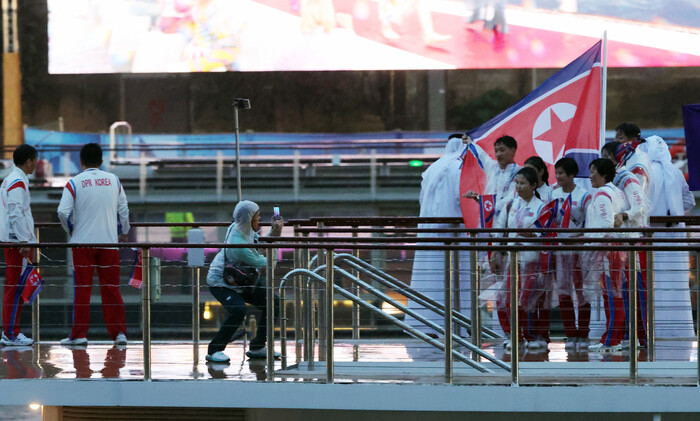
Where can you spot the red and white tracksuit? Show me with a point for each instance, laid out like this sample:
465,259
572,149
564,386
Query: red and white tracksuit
533,314
568,282
608,267
16,225
637,208
94,209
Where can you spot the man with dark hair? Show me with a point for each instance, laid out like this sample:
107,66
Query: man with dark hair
94,209
16,226
500,173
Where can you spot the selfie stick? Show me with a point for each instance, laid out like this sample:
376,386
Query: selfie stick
245,104
238,156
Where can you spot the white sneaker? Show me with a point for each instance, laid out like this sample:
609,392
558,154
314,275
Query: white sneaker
534,345
570,344
261,353
583,343
121,339
74,342
20,340
218,357
544,345
521,346
600,347
506,344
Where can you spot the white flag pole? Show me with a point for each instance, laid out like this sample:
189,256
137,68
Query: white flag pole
604,89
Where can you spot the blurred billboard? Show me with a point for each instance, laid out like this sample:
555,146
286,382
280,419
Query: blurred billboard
163,36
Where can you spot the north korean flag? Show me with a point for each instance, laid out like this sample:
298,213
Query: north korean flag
31,282
136,278
547,219
472,178
488,209
561,117
565,212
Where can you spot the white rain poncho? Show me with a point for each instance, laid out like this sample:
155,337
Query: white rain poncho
669,195
439,197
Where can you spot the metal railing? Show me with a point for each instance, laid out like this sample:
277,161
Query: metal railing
449,245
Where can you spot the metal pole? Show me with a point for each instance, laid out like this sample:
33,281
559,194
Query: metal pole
195,272
35,304
356,292
651,322
448,316
270,305
146,312
309,336
220,176
697,307
238,156
330,283
632,297
456,291
322,307
514,325
298,331
476,314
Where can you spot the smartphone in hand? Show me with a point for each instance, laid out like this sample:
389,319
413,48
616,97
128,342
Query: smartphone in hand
276,212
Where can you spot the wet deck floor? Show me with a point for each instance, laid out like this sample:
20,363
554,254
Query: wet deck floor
380,360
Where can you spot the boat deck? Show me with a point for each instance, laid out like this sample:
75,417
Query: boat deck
367,360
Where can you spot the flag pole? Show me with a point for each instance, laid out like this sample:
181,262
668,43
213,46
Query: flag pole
604,89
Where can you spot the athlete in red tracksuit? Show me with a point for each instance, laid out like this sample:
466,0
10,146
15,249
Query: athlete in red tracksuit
94,209
523,212
16,226
607,201
568,282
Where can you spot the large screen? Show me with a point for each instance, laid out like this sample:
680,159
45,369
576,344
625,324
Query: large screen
160,36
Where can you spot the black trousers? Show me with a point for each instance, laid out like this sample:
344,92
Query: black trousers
235,305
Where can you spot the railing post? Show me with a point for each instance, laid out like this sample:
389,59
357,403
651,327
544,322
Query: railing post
632,297
356,292
475,311
697,307
195,273
330,283
35,305
514,323
651,304
448,315
270,305
456,290
321,305
298,317
146,312
309,336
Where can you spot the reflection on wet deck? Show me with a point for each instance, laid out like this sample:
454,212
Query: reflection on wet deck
371,360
